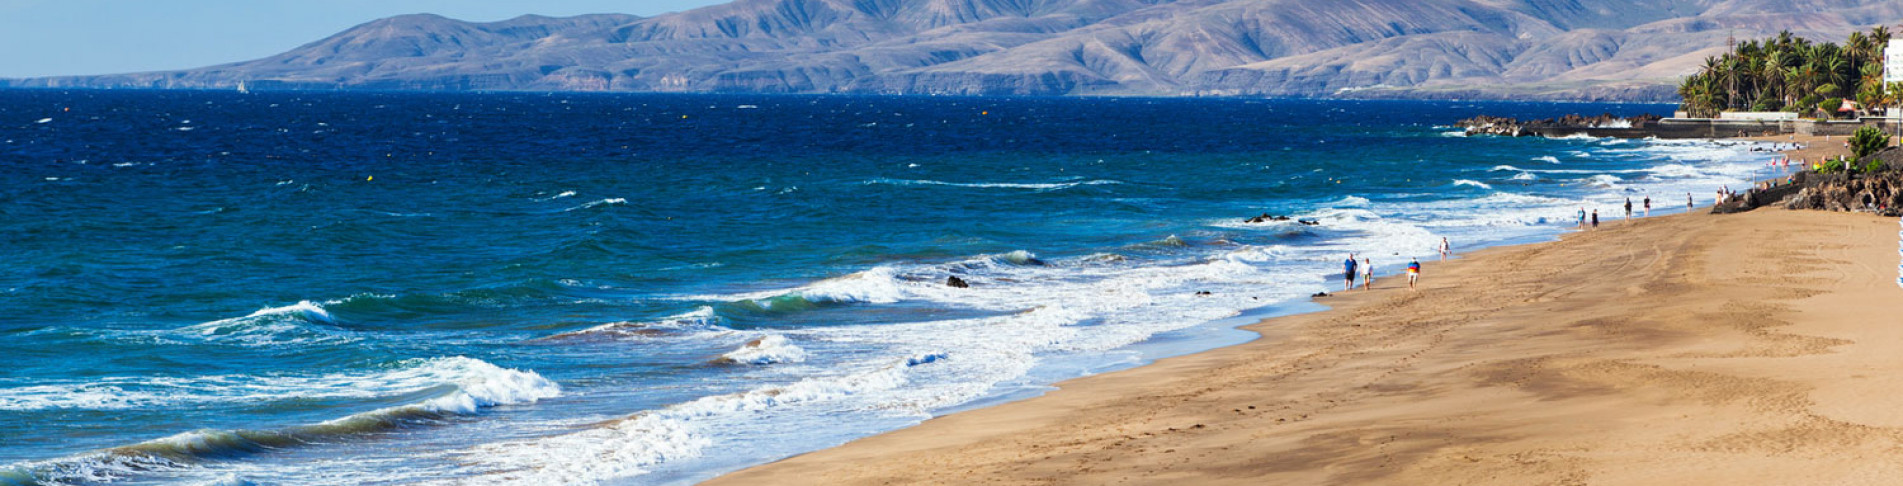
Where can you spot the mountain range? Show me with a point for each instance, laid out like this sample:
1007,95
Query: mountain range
1474,49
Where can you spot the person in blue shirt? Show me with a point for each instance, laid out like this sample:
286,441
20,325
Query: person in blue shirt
1348,273
1413,273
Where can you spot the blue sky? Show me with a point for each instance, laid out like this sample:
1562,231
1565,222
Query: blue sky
59,37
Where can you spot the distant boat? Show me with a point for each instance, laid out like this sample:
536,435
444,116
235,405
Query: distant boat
242,89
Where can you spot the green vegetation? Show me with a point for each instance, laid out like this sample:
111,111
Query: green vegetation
1868,140
1790,73
1864,143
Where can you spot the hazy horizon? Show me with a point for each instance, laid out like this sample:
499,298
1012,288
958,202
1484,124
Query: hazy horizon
89,37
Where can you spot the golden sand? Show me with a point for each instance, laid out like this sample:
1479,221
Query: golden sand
1757,348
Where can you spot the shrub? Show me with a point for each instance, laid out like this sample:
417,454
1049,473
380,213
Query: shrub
1807,103
1868,140
1829,106
1832,166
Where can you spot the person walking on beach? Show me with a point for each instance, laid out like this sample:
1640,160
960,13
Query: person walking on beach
1367,274
1628,209
1348,273
1648,206
1445,248
1595,219
1413,273
1688,201
1582,217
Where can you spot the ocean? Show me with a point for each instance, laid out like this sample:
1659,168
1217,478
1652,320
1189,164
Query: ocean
417,288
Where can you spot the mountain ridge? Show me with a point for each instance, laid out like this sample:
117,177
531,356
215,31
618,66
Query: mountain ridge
1601,50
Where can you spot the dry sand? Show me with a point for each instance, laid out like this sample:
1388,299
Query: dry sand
1815,147
1758,348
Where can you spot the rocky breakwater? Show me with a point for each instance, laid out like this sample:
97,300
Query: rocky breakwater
1605,125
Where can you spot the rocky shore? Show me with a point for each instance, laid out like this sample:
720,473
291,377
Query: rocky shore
1879,192
1510,127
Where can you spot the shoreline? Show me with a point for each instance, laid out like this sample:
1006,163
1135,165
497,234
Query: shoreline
998,442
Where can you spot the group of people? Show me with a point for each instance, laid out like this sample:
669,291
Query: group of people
1364,268
1593,217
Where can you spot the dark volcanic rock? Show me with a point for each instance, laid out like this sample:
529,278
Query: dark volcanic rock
1881,193
1491,125
954,281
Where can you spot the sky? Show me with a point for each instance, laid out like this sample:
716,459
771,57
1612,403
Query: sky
75,37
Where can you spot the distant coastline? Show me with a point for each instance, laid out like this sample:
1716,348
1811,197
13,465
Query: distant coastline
1391,49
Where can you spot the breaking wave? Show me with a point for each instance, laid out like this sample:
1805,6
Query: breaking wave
473,385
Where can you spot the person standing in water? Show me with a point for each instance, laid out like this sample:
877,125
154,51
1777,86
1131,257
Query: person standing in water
1445,248
1628,209
1648,206
1348,273
1582,217
1688,201
1413,273
1595,219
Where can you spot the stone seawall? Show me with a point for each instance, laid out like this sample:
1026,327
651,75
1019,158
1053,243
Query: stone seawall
1647,126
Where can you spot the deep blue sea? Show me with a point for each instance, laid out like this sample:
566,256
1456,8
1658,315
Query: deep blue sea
398,288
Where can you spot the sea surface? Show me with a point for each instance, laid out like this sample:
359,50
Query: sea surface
402,288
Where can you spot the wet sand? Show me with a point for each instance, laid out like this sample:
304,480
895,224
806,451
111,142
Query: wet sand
1757,348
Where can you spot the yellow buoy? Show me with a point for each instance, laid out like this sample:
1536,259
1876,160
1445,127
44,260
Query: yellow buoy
368,179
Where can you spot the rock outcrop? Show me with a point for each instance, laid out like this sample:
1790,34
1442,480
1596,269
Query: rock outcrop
1595,50
1509,127
1880,193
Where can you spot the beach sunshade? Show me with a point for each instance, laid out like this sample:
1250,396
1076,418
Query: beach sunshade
1848,106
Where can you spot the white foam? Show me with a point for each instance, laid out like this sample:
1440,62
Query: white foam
477,384
615,201
482,385
155,392
878,285
1007,185
1604,180
1351,202
771,349
1082,306
1547,159
1466,182
303,308
628,446
43,121
305,322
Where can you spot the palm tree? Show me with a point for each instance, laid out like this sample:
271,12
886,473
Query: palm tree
1859,48
1785,70
1772,72
1834,70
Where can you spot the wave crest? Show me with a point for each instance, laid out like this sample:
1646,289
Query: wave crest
771,349
478,384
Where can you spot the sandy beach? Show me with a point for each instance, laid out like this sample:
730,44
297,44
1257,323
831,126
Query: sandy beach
1815,147
1758,348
